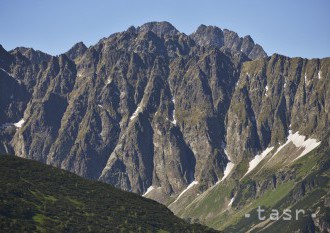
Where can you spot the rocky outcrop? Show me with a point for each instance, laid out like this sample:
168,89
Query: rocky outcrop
77,51
274,95
17,78
35,56
45,110
213,36
161,29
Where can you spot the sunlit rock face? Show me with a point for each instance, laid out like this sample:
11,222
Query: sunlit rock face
157,112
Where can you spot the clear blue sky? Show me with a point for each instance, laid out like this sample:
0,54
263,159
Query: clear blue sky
289,27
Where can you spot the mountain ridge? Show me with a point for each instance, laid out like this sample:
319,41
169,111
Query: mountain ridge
152,109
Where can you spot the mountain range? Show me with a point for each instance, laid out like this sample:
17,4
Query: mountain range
207,124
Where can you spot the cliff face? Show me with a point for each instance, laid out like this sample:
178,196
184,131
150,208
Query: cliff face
274,95
156,112
211,36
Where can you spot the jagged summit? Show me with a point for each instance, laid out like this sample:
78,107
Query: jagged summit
35,56
173,117
208,36
214,36
205,36
159,28
76,51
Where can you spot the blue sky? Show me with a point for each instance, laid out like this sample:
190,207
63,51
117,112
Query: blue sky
290,27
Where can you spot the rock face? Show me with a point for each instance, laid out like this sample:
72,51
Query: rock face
213,36
77,51
153,109
36,57
274,95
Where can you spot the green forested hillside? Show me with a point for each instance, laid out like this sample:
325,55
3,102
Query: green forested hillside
39,198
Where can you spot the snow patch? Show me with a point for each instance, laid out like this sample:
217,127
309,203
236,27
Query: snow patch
300,141
173,116
227,171
305,77
101,106
189,187
174,120
257,159
173,100
226,153
223,145
20,123
136,113
231,201
148,191
319,74
17,125
266,90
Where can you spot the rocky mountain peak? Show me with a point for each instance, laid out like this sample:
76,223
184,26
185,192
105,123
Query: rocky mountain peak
212,36
35,56
131,29
148,111
161,29
208,36
5,58
76,51
248,39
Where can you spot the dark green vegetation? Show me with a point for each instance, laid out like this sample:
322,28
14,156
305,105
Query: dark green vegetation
40,198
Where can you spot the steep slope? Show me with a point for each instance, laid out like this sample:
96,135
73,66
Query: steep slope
17,79
126,113
166,115
39,198
44,112
276,103
292,184
275,95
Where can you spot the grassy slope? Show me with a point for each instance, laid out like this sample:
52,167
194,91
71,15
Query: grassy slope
39,198
313,168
